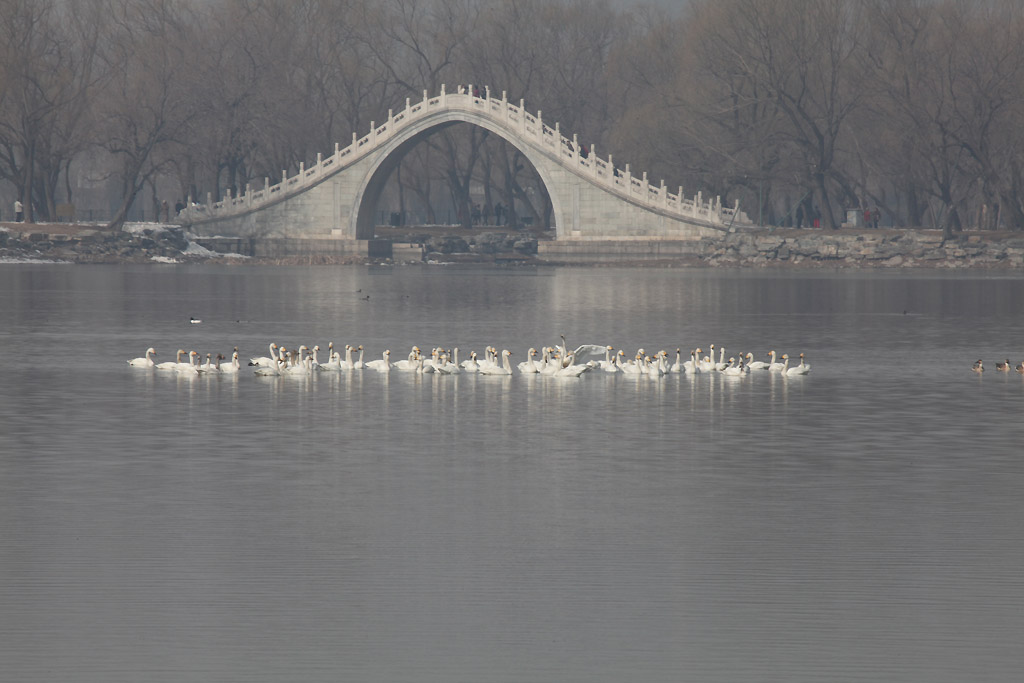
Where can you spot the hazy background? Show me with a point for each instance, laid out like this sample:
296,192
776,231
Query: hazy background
789,106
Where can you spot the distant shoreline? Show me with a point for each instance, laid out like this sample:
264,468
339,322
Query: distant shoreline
780,248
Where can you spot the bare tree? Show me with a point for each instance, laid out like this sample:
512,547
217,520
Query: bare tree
49,74
988,98
148,104
417,41
799,56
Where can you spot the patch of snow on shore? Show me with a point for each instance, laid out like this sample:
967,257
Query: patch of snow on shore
138,228
164,259
21,259
194,249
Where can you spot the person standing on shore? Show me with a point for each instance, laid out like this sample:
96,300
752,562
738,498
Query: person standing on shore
19,213
875,215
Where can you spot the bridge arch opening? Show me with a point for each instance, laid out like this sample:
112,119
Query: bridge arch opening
389,158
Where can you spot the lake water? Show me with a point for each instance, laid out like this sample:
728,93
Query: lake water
862,523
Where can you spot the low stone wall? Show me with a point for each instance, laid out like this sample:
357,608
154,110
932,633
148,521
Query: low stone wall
867,249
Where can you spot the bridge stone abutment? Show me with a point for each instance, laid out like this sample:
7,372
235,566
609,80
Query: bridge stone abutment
338,196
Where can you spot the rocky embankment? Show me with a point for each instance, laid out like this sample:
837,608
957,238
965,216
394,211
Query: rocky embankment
803,249
78,244
153,243
485,246
865,249
156,243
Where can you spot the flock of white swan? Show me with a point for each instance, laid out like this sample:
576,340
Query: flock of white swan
555,361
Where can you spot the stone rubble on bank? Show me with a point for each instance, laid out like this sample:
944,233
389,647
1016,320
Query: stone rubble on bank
489,243
869,249
137,243
159,243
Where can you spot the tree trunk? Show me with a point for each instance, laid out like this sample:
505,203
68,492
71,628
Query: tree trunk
951,226
826,216
26,189
67,183
131,184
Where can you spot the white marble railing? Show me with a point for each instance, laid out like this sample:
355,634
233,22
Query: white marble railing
519,124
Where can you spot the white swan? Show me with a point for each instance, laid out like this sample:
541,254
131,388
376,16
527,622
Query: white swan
692,366
612,365
504,369
146,362
632,367
776,366
658,366
732,370
333,363
346,364
358,364
411,363
435,358
490,359
471,365
529,366
595,355
755,364
563,353
269,370
230,368
550,362
208,368
382,365
266,361
707,364
663,363
573,369
586,353
721,364
677,367
314,360
449,367
424,369
795,371
301,363
171,365
192,366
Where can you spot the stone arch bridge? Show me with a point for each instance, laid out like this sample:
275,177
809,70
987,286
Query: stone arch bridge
336,198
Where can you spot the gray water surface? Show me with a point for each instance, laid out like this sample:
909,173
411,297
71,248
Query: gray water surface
862,523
